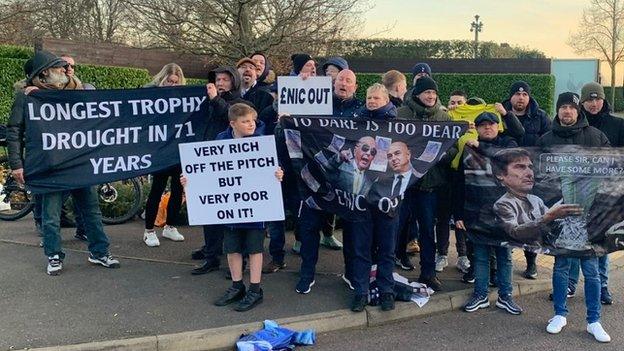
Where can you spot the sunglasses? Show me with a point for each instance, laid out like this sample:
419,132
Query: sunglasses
69,66
368,149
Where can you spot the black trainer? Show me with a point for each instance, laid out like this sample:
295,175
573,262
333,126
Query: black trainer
81,236
55,265
387,301
605,296
433,282
404,263
198,255
250,301
358,303
232,294
107,261
468,277
476,302
531,271
508,304
207,267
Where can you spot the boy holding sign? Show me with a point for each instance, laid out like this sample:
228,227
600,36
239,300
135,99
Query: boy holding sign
243,238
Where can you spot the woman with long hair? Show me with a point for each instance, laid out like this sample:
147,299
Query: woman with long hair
170,75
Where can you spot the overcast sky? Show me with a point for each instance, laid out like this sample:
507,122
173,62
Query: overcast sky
540,24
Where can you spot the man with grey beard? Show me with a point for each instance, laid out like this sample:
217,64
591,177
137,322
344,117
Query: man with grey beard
47,72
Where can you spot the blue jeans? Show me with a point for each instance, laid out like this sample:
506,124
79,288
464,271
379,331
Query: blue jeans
87,202
424,208
603,270
378,234
560,279
37,213
482,269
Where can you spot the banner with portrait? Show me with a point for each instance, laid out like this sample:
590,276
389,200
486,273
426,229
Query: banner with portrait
561,200
349,166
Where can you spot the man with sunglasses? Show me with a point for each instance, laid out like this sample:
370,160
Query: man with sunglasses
70,70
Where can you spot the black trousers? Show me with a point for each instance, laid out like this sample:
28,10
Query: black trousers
159,183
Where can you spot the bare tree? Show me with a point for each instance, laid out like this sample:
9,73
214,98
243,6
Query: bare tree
85,20
600,31
229,29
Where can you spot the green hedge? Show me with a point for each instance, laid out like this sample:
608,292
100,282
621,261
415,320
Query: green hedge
18,52
491,87
619,98
103,77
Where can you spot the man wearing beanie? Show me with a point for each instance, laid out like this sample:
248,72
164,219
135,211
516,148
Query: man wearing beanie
303,63
333,66
570,127
423,105
597,111
535,122
47,72
420,70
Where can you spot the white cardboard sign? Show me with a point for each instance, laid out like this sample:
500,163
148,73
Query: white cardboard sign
312,96
232,181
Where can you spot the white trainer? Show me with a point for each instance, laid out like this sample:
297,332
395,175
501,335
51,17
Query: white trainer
599,334
150,238
556,323
171,233
441,263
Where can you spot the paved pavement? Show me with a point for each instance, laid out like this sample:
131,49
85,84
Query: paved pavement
491,329
151,294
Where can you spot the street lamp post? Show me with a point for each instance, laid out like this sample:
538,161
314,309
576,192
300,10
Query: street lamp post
476,27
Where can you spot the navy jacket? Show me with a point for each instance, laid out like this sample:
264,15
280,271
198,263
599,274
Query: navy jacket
345,108
386,112
536,122
259,97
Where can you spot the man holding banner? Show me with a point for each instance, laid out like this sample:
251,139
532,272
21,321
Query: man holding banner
571,127
48,74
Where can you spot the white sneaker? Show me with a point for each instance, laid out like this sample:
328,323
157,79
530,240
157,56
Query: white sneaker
441,263
171,233
599,334
556,323
150,238
55,265
463,264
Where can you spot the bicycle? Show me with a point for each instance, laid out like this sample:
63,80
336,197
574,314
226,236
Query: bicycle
15,201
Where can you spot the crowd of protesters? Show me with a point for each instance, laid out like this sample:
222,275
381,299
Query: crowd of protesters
241,102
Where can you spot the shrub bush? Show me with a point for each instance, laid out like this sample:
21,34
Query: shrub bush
14,51
491,87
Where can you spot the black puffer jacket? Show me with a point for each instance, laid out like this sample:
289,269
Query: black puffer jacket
612,126
581,133
535,122
15,131
259,97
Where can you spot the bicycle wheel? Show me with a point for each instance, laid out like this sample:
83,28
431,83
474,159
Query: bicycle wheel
120,200
15,202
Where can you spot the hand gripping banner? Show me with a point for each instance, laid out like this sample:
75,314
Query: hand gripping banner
86,137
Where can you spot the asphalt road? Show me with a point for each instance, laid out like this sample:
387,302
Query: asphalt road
491,329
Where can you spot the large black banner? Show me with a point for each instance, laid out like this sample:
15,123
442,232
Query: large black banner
563,200
351,165
86,137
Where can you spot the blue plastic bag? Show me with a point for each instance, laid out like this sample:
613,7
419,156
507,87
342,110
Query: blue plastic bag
273,338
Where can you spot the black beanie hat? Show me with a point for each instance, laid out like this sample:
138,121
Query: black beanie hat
425,83
568,98
519,86
299,60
